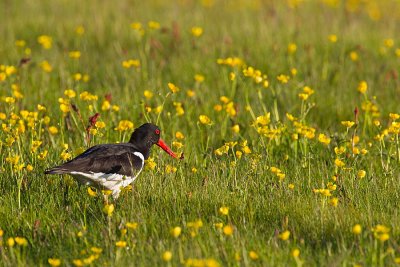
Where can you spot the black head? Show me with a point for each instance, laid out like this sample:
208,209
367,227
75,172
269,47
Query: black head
146,136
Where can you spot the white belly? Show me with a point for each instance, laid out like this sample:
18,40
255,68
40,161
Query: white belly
111,181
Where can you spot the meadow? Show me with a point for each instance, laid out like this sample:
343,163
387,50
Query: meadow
286,112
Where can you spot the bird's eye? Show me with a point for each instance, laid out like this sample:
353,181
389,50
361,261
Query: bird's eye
157,131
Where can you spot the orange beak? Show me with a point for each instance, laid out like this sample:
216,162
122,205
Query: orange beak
166,148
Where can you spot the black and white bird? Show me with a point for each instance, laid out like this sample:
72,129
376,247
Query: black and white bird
114,166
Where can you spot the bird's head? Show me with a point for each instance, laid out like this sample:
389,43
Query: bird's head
146,136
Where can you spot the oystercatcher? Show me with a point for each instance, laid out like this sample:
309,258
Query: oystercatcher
114,166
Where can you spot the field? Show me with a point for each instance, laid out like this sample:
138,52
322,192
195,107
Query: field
287,114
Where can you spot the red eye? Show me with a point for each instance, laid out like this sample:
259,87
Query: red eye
157,131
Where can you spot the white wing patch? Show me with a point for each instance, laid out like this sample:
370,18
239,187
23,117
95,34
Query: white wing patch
110,181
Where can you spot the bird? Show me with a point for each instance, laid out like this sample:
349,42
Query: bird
114,166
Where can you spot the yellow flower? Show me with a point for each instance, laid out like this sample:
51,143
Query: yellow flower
148,94
170,169
115,108
357,229
353,56
303,96
388,42
167,255
290,117
224,210
78,263
197,31
196,224
10,140
108,209
10,242
20,43
291,186
45,65
10,70
218,107
190,93
205,120
64,108
70,93
283,78
88,96
106,105
124,125
295,253
334,201
361,174
53,130
177,144
384,237
394,116
3,76
179,135
42,155
235,128
35,145
150,164
339,150
324,139
132,225
80,30
381,232
307,90
21,241
65,155
176,231
339,163
120,244
77,76
96,250
263,120
74,54
228,230
91,192
174,89
362,87
332,38
179,109
46,41
284,235
218,225
136,25
292,48
253,255
199,78
237,256
54,262
41,108
100,124
348,124
131,63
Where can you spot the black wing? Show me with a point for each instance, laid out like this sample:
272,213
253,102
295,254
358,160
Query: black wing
103,159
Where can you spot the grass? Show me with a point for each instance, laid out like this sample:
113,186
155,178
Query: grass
290,176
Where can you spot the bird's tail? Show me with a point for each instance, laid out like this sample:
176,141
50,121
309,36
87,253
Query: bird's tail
56,170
